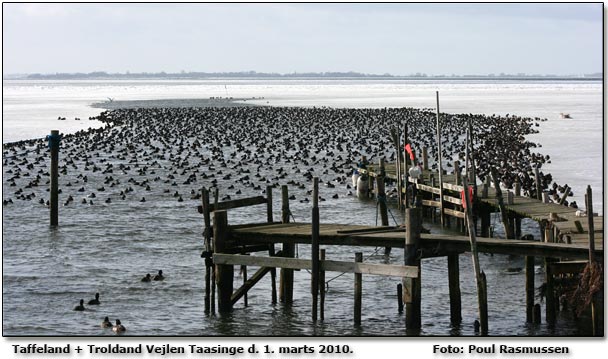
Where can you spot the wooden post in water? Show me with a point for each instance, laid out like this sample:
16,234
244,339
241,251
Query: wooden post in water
411,286
454,287
289,251
322,286
224,273
358,290
480,277
381,195
501,205
550,305
539,193
596,303
271,249
381,200
529,260
315,248
54,139
208,252
425,159
216,200
395,138
439,166
400,298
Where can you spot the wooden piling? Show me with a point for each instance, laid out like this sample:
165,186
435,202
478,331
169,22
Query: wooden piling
596,301
271,249
289,251
400,298
538,185
381,195
550,307
480,277
315,248
358,290
322,286
54,140
208,252
529,262
224,274
439,166
536,317
395,138
501,205
425,159
411,286
454,288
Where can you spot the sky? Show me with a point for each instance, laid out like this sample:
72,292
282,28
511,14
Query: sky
400,39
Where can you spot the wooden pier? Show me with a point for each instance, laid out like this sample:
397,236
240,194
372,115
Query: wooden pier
568,244
563,247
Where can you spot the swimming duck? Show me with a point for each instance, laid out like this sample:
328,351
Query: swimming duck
80,307
106,323
159,276
147,278
95,301
118,328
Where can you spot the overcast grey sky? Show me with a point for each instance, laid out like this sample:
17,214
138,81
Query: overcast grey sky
400,39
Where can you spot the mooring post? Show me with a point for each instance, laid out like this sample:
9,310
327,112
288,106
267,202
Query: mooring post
315,248
454,287
400,298
381,200
322,285
358,290
480,276
411,286
439,165
395,138
224,274
529,260
381,194
501,205
425,159
271,249
539,193
54,140
207,255
596,301
289,251
550,308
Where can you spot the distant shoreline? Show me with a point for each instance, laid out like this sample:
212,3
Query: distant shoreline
278,77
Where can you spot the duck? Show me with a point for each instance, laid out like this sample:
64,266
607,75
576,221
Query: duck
147,278
80,307
159,276
106,323
95,301
118,328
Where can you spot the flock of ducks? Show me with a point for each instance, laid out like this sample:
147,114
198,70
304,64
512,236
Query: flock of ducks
118,327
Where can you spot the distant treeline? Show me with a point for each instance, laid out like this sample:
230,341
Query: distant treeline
254,74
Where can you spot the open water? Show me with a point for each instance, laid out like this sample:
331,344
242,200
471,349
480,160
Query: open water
107,249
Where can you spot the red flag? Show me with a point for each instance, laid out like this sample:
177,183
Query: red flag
463,199
408,149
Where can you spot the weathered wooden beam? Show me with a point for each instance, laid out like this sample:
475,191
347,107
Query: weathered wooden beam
257,276
453,213
327,265
237,203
